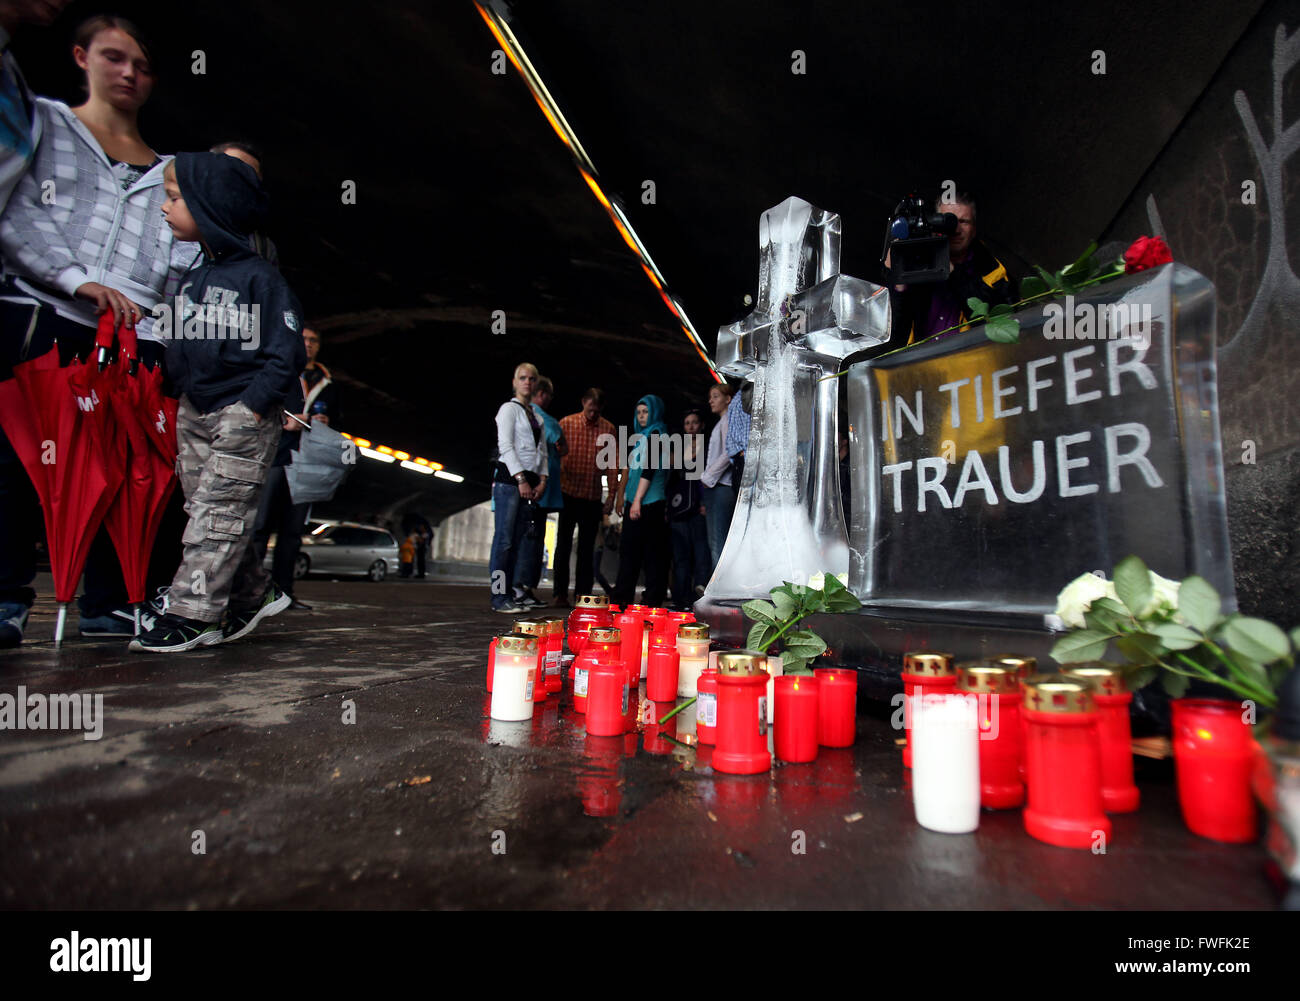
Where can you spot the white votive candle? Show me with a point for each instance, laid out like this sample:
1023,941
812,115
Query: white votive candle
946,763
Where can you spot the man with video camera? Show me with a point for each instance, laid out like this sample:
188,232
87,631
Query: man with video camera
933,277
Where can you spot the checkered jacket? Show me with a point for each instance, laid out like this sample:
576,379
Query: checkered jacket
92,230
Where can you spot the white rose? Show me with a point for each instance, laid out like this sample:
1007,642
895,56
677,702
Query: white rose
1164,596
1078,595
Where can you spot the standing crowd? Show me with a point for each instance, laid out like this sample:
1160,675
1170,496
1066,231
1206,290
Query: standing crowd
657,514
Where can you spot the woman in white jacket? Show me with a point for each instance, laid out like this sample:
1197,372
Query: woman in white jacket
82,233
520,479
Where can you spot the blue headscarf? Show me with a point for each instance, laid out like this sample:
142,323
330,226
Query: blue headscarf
638,457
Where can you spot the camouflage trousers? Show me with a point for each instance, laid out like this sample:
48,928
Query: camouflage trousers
222,463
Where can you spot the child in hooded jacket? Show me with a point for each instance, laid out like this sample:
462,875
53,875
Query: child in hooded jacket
235,349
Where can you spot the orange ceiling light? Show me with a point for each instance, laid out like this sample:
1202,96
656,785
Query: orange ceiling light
519,59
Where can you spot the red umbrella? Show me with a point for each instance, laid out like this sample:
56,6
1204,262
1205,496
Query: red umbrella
146,425
47,424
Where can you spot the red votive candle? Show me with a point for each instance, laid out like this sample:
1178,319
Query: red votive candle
997,703
590,610
600,640
795,719
706,706
1063,763
1110,692
554,637
837,707
607,695
661,672
1023,667
1213,757
631,623
924,673
742,714
536,627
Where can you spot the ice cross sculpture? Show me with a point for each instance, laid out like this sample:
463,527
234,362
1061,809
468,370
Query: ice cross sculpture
789,521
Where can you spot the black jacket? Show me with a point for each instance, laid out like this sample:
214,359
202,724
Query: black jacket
983,276
235,327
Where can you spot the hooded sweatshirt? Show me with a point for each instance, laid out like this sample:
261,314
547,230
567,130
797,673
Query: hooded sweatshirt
235,327
639,459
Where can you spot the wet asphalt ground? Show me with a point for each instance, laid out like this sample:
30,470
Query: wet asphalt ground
243,751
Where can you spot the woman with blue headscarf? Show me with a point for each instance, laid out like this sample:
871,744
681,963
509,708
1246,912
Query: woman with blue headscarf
644,503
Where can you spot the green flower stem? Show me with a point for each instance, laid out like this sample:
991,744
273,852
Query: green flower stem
782,631
1050,293
688,702
1236,685
1266,696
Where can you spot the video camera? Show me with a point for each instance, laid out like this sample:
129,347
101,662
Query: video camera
916,242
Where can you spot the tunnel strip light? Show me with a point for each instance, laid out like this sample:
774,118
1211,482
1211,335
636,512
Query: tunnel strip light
519,59
384,453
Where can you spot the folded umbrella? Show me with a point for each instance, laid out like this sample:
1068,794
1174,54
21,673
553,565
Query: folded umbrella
47,424
319,465
146,435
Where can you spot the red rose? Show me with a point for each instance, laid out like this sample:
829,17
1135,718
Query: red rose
1146,252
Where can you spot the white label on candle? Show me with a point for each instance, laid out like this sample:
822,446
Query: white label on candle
580,681
762,715
706,709
624,709
528,692
553,662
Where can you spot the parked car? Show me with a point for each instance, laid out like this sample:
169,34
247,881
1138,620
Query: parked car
342,547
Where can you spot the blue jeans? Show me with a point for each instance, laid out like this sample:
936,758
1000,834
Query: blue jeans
507,540
719,505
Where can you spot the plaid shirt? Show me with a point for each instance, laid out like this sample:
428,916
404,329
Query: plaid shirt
737,427
579,476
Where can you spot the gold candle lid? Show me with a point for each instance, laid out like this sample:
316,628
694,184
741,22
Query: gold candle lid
554,626
1053,693
1107,679
604,634
932,665
517,644
741,663
1021,666
693,631
984,678
593,601
531,627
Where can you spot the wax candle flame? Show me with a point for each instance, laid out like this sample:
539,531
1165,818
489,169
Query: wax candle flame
1204,734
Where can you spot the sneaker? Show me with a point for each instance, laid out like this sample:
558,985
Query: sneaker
241,623
175,634
525,598
121,621
13,620
510,608
298,606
